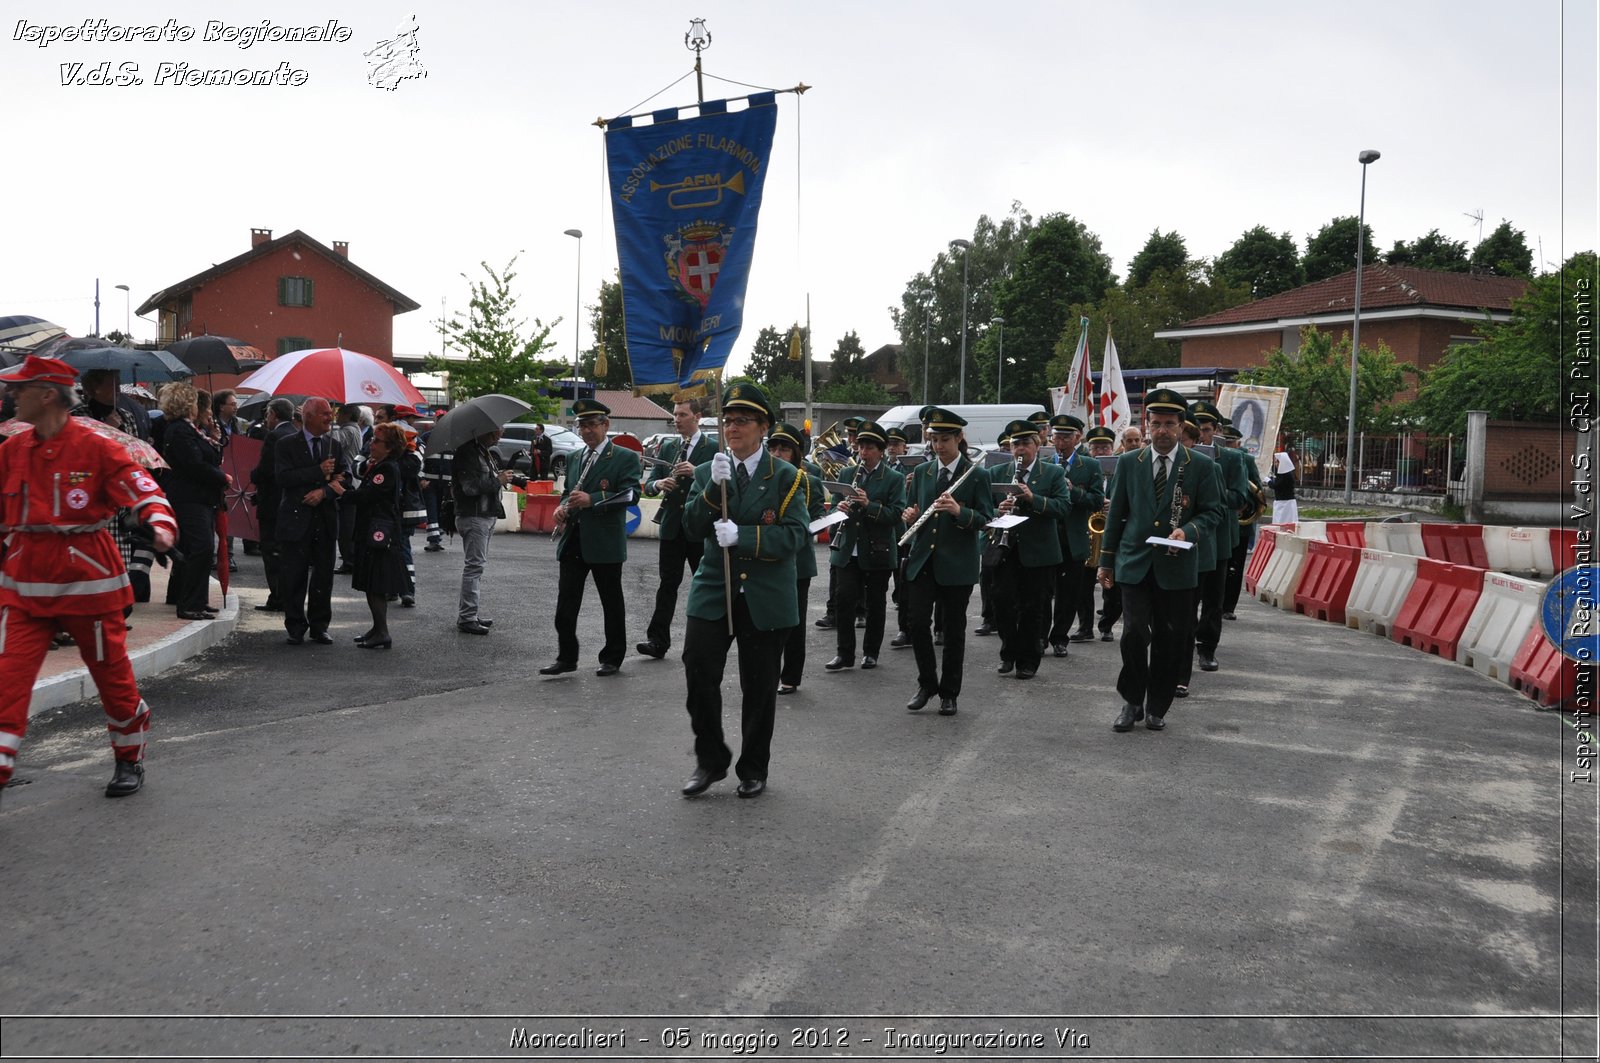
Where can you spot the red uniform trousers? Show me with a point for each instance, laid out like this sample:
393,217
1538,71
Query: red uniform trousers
102,642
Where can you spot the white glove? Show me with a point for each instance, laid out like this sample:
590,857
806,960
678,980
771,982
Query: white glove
727,532
721,469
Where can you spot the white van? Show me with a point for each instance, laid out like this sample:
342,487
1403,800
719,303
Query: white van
985,422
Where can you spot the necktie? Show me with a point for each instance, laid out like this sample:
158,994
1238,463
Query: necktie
319,449
587,461
1161,477
741,476
944,482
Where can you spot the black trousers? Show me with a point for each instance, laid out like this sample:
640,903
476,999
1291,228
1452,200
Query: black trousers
898,594
705,658
986,592
1208,632
347,527
196,538
271,561
1019,608
305,582
1074,603
792,657
1237,563
1157,637
569,600
858,585
675,553
924,594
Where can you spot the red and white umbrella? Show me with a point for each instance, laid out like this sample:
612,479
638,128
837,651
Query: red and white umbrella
334,373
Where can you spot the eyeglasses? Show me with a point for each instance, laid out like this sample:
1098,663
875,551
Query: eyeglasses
740,422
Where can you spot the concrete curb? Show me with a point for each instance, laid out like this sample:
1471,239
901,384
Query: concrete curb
74,686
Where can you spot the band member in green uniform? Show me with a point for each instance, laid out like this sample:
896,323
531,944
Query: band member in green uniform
692,448
789,443
1247,531
895,457
864,550
1169,491
943,556
1074,587
990,557
764,531
1235,489
591,526
1102,441
1030,552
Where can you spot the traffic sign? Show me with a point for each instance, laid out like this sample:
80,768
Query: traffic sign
1570,613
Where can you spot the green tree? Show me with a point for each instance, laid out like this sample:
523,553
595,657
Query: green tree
1514,372
1260,263
769,361
848,358
1163,251
858,391
1318,378
930,306
500,356
1504,252
1433,251
1333,250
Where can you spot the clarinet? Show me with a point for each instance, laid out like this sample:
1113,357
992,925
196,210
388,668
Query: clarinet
1005,536
562,511
836,541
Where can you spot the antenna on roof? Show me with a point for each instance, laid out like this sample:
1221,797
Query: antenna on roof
1477,216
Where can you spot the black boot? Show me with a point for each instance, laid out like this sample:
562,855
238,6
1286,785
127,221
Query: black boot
127,780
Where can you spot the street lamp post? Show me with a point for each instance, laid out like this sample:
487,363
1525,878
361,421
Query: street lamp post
927,334
1000,373
577,309
1365,158
127,314
966,246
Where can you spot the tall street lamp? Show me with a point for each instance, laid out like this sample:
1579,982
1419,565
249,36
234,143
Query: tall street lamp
1365,158
927,337
1000,374
966,246
577,309
127,314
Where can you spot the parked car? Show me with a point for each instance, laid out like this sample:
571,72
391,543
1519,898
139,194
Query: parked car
517,439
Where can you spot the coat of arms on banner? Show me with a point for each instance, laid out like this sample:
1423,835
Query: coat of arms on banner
694,257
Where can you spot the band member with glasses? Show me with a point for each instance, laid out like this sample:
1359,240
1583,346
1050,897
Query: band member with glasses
1028,554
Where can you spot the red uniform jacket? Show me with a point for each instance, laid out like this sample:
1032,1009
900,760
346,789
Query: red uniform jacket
56,497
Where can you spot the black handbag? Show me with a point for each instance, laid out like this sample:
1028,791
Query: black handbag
381,533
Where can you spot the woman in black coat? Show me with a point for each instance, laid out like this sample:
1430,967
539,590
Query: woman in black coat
194,485
380,568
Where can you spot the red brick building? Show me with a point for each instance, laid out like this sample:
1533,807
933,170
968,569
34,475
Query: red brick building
284,295
1417,313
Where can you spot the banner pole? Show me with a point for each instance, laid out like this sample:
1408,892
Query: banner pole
727,553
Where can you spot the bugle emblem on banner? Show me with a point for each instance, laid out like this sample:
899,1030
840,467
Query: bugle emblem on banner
694,258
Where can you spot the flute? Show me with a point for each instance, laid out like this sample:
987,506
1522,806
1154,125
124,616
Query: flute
916,527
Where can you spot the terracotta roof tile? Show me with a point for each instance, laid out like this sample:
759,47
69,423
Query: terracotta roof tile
1382,287
635,407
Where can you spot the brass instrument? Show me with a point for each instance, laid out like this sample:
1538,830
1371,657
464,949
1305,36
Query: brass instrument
1097,529
912,531
1255,504
824,443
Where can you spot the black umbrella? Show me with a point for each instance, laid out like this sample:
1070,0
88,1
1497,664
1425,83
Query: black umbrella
213,354
24,333
133,365
474,418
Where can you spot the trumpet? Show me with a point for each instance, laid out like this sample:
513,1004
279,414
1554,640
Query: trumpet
911,532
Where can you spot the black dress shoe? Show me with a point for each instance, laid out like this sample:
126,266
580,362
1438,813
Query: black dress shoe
1130,715
473,627
295,640
984,629
1060,648
1208,663
485,621
825,621
1229,616
185,614
947,706
651,649
1006,667
1155,723
433,548
1106,636
376,644
1082,635
868,662
321,638
408,601
839,664
701,781
607,669
269,607
901,641
559,668
364,636
1180,691
127,780
751,788
920,701
788,688
1026,673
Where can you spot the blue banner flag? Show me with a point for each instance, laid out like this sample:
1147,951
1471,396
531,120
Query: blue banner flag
685,193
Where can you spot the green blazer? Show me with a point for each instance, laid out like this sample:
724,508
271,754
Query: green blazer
1086,494
604,532
805,565
1235,489
1212,551
950,543
670,517
772,516
1036,538
886,499
1136,514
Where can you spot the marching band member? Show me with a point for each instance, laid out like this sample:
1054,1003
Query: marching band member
789,443
1029,553
692,449
864,550
1074,585
1102,441
894,457
1235,489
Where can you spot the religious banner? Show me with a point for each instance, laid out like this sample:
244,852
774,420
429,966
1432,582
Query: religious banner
239,459
685,194
1256,411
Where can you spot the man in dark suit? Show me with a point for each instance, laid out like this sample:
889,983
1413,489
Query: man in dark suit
1169,491
942,560
1028,562
312,471
279,424
763,532
693,448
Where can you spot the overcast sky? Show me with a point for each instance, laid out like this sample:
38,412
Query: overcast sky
1202,117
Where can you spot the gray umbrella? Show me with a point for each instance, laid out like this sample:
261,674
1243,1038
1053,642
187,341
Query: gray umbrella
474,418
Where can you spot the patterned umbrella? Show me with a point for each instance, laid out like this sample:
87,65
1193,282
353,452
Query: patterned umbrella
137,449
334,373
23,333
213,354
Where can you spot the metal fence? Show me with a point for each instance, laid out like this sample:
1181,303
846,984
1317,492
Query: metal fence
1409,463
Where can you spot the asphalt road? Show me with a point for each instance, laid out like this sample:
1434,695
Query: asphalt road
1339,846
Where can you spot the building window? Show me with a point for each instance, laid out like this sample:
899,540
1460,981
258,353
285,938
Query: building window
289,344
294,291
